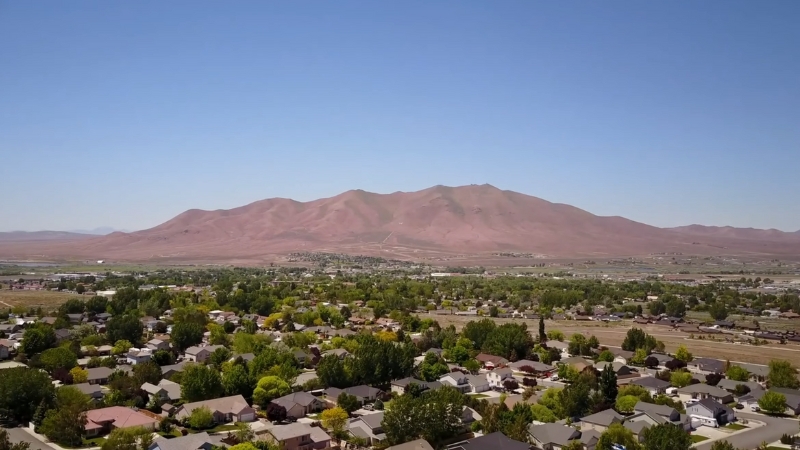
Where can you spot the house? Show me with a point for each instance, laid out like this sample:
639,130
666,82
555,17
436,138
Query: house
299,436
225,409
458,380
5,347
512,400
92,390
157,344
577,363
706,366
338,352
468,417
138,355
653,385
525,366
491,361
200,354
198,441
168,371
730,385
301,357
792,398
620,355
701,391
659,414
620,369
662,358
99,375
600,421
418,444
368,427
399,386
363,393
710,412
724,324
552,436
304,378
498,376
164,391
757,371
104,420
300,404
492,441
477,383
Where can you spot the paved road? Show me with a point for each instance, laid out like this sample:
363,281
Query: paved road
20,435
772,432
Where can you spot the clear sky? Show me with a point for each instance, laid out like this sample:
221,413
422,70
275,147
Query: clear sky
127,113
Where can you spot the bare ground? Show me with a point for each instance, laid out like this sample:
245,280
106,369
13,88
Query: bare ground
33,299
614,334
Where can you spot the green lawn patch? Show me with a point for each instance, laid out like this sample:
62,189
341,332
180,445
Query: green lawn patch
697,438
479,396
735,426
94,442
222,428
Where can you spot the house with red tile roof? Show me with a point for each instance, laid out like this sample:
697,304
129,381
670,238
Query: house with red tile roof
104,420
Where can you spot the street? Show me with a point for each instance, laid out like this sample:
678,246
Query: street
20,435
772,432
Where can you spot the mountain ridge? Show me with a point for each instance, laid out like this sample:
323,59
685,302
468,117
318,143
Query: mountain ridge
473,219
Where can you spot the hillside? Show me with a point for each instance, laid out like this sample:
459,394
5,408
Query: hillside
439,220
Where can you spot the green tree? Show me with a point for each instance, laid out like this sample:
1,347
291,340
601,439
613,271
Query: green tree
121,347
477,332
432,367
639,357
718,311
626,403
473,366
782,374
79,375
737,373
722,445
433,416
608,384
186,334
683,354
543,414
617,434
65,423
237,381
268,389
680,379
147,372
772,403
219,356
57,358
134,438
555,335
37,338
200,383
636,338
542,334
458,354
243,432
331,372
126,327
666,437
22,390
605,356
201,418
348,402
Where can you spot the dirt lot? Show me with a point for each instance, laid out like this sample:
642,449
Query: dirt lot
35,299
613,335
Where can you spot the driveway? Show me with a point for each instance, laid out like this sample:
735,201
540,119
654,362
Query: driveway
772,432
20,435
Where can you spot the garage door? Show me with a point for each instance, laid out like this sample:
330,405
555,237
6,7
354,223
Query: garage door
248,417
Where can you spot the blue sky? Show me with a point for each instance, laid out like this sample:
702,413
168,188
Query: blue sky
128,113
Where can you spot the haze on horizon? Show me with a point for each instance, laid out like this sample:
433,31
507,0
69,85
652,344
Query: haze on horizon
127,114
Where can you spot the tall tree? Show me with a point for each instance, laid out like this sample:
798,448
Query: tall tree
200,383
186,334
542,333
268,389
37,338
65,423
782,374
126,327
22,390
608,384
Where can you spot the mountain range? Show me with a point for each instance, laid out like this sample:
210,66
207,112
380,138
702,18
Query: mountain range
465,220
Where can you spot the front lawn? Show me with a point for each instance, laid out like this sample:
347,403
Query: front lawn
479,396
222,428
697,438
735,426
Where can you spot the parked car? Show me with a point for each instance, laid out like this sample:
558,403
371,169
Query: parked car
755,408
739,406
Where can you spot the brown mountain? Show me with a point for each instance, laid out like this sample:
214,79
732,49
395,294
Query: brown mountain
439,220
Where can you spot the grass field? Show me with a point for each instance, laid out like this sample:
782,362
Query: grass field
34,299
697,438
612,334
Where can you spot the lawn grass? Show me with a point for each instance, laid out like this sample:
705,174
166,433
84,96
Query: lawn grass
222,428
735,426
479,396
697,438
94,442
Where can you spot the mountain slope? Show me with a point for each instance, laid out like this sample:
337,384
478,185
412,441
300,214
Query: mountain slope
38,236
447,220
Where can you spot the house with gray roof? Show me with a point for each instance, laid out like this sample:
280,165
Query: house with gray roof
658,414
730,385
538,367
400,386
299,404
600,421
94,391
363,393
99,375
492,441
700,391
497,377
711,412
418,444
653,385
169,371
369,427
706,365
197,441
299,436
164,391
552,436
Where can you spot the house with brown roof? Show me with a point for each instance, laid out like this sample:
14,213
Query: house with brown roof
299,436
492,361
104,420
226,409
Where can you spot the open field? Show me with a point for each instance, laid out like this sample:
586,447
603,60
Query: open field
33,299
613,334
